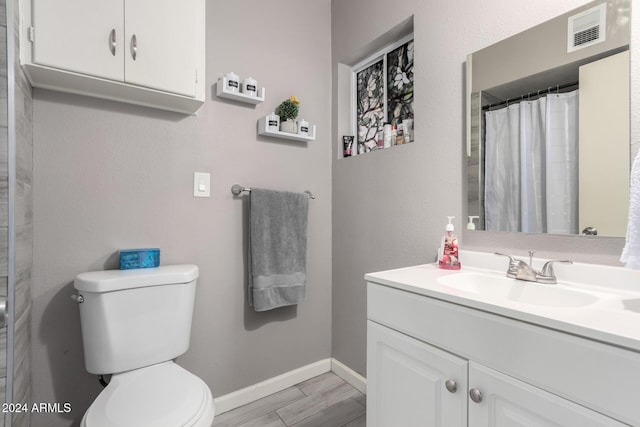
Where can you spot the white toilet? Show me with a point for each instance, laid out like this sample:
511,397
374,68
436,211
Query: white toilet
134,323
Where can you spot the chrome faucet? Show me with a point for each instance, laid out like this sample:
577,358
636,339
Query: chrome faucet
520,270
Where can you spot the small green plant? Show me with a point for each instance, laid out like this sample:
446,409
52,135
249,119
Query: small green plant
288,109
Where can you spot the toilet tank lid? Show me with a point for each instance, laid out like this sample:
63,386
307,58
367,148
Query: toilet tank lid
115,280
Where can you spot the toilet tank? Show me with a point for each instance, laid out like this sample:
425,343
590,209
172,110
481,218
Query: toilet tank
135,318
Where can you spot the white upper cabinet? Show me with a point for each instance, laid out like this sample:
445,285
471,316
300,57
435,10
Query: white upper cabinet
80,36
160,43
146,52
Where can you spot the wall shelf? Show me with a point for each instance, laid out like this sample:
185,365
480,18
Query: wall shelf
262,130
222,92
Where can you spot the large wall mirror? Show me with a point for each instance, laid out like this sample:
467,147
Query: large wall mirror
548,145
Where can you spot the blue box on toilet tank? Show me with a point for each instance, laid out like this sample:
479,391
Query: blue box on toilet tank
139,258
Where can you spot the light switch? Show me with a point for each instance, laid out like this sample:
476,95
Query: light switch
201,184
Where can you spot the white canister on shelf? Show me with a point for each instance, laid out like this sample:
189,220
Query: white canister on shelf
273,122
408,130
250,86
386,136
233,82
303,127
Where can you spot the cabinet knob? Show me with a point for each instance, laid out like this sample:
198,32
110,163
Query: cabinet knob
112,42
134,47
451,386
475,395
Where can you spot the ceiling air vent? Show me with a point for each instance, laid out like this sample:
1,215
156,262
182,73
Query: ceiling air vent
587,28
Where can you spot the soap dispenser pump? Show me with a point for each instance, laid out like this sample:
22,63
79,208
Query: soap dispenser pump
448,254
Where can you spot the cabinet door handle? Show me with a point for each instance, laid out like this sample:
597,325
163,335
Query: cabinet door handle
112,42
451,386
475,395
134,47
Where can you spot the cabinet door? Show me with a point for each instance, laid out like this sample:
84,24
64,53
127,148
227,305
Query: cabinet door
162,43
76,35
406,382
507,402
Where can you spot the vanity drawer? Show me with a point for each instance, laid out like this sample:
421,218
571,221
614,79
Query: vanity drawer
602,377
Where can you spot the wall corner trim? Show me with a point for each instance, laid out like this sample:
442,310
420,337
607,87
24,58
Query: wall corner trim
350,376
267,387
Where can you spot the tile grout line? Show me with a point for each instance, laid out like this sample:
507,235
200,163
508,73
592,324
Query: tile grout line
280,418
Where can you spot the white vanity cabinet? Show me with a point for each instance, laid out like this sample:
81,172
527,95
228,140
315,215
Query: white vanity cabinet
148,52
507,372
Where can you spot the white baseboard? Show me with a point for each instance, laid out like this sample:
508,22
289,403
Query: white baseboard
273,385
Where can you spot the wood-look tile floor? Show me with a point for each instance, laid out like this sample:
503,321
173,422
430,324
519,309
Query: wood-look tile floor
325,400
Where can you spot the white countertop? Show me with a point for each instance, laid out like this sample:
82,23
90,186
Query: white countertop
614,318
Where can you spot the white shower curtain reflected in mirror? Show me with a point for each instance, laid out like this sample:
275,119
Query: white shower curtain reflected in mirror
531,179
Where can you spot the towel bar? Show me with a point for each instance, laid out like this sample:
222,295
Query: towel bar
237,189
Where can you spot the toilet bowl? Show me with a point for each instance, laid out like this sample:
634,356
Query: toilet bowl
134,324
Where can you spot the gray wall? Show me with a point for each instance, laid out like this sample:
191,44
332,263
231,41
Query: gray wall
110,175
390,206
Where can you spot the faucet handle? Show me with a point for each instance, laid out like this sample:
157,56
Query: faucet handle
512,271
511,259
547,274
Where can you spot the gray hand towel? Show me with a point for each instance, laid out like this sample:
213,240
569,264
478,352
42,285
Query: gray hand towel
278,248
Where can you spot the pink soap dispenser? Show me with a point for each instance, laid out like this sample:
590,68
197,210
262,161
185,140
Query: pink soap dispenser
448,253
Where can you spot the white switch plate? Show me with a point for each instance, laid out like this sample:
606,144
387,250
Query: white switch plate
201,184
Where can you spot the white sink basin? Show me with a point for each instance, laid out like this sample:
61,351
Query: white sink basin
493,287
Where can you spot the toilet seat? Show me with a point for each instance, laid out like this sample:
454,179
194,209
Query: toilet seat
163,395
